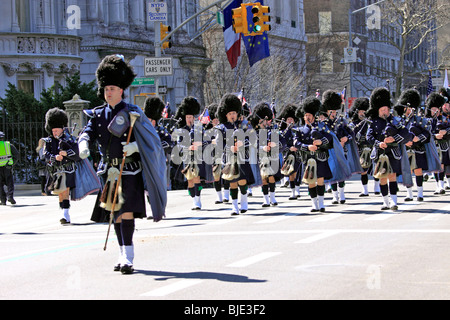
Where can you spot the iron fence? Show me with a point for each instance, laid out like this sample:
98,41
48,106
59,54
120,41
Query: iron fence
24,134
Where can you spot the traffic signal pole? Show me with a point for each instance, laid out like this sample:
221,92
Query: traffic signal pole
159,41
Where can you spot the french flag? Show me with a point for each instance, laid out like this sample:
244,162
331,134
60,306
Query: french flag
232,40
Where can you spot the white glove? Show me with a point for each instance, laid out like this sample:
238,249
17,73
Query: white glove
130,148
83,147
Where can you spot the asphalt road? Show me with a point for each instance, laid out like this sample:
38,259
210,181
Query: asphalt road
353,251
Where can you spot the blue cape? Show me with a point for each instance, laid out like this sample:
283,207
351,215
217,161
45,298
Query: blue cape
338,163
153,163
86,180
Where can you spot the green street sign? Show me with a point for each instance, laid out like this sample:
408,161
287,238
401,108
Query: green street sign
143,82
220,19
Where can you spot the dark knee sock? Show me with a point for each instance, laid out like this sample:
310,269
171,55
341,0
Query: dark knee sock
127,232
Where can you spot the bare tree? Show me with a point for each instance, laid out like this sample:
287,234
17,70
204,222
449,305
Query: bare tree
408,25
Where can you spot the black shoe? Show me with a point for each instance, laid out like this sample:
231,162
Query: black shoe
196,209
64,221
234,213
117,267
314,210
126,269
394,208
408,199
250,195
385,208
243,211
442,191
12,201
335,202
322,209
342,201
364,195
218,202
225,200
265,205
377,193
274,203
420,199
292,198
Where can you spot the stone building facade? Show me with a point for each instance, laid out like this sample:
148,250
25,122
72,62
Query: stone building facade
42,41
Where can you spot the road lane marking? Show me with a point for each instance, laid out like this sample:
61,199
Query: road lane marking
171,288
327,217
252,260
278,218
318,237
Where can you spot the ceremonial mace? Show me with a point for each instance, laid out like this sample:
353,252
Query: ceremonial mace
133,117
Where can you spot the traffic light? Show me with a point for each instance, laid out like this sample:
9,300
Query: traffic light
165,30
240,20
260,19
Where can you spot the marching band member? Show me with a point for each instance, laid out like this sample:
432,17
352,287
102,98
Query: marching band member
61,153
440,128
235,158
217,161
386,136
190,138
261,119
331,102
292,160
153,109
446,115
314,144
360,125
409,103
111,125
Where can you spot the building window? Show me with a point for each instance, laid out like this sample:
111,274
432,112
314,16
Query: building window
23,15
26,86
324,22
326,61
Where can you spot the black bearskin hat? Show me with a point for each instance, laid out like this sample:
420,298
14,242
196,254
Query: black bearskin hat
189,106
380,97
55,118
153,108
114,71
261,112
435,100
445,93
359,104
412,97
228,103
212,109
310,105
331,100
289,111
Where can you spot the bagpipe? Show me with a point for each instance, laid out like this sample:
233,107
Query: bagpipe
364,156
191,170
290,157
231,170
383,167
65,143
